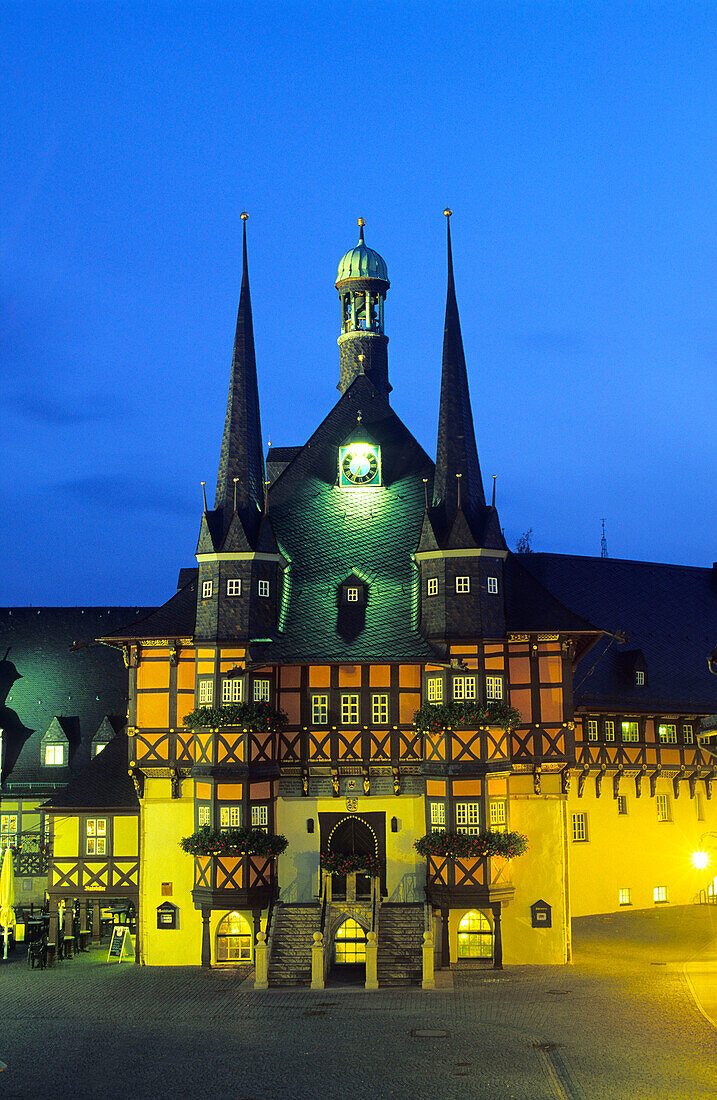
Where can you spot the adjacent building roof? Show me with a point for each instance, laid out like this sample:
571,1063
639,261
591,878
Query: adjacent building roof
105,783
668,614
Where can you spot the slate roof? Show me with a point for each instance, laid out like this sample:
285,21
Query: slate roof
174,619
667,612
42,677
328,533
104,784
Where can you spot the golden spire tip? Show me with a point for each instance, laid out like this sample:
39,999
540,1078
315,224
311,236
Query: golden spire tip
447,212
361,221
243,215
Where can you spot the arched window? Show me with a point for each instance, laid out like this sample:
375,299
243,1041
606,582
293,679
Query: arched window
475,937
350,943
234,939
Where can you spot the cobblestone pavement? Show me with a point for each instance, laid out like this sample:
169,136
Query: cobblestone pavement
620,1022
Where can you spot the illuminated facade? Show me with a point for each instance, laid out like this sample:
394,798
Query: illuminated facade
362,663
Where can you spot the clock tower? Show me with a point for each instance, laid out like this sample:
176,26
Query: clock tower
362,283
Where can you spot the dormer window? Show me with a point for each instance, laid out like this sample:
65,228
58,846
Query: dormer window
352,595
54,756
353,590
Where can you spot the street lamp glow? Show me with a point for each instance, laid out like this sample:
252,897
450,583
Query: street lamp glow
700,860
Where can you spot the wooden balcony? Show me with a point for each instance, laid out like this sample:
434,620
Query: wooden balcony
468,880
233,882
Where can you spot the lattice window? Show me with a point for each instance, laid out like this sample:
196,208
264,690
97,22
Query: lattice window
624,896
230,817
609,729
498,814
631,731
207,589
592,729
463,585
663,807
687,734
622,804
668,733
438,817
475,937
233,587
464,687
232,689
260,818
8,830
468,818
659,895
352,595
320,710
640,677
206,692
349,710
432,586
493,688
262,691
234,937
204,816
492,586
350,943
96,836
434,689
379,710
263,588
580,827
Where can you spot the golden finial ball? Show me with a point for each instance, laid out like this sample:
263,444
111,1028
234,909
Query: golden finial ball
361,221
447,212
243,215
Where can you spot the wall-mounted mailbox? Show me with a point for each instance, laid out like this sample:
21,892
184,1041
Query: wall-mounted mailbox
541,914
167,915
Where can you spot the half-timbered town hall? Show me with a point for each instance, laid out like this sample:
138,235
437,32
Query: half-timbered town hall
362,733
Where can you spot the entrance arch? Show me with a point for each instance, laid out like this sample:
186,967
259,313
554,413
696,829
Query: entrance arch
234,939
352,835
475,936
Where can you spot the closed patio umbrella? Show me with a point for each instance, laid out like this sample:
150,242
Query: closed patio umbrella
7,896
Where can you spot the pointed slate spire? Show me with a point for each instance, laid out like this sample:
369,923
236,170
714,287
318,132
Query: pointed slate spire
456,451
241,455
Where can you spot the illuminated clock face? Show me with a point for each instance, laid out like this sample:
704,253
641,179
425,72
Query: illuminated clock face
359,465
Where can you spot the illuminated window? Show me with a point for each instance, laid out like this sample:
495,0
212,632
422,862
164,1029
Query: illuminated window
475,937
497,813
609,730
663,807
234,939
230,816
320,710
621,804
263,588
204,816
379,710
8,830
260,818
232,689
463,584
54,755
668,734
433,586
624,896
630,731
206,692
352,595
262,691
659,894
687,734
438,817
349,710
639,677
234,588
592,729
98,746
580,827
464,687
492,586
350,944
468,818
434,689
207,588
96,836
493,688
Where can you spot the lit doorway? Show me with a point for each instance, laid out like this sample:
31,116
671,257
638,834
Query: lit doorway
475,937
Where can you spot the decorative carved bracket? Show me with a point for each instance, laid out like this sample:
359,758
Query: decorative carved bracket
708,785
396,781
174,653
598,780
691,784
565,780
366,782
137,778
176,783
335,782
638,781
581,781
653,780
304,783
676,782
616,782
536,780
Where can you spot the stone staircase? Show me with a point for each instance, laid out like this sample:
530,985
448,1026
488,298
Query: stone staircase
400,944
294,927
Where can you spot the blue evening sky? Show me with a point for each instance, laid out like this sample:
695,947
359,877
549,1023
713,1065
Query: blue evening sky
575,144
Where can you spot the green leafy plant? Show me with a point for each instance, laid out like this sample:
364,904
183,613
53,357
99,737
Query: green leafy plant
340,863
458,845
233,842
432,717
257,716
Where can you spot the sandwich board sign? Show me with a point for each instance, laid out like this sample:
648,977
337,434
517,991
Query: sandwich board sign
120,944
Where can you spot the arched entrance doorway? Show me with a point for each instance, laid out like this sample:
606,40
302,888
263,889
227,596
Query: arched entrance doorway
349,956
352,835
475,937
234,939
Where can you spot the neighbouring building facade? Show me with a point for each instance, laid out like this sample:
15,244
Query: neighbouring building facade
358,662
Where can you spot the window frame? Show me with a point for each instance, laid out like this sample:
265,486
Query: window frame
100,835
467,689
688,733
463,585
324,708
624,895
498,815
227,811
669,737
203,812
205,691
434,687
232,689
380,708
437,815
207,590
622,805
592,729
432,586
609,729
663,807
352,594
8,834
260,816
261,691
469,810
493,682
263,589
492,586
631,740
660,895
579,827
51,747
234,583
350,705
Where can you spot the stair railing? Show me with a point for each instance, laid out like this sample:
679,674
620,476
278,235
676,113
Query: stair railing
271,923
375,902
325,907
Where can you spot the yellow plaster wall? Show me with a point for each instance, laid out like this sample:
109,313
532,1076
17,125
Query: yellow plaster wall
299,865
66,835
126,836
540,874
164,822
634,850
